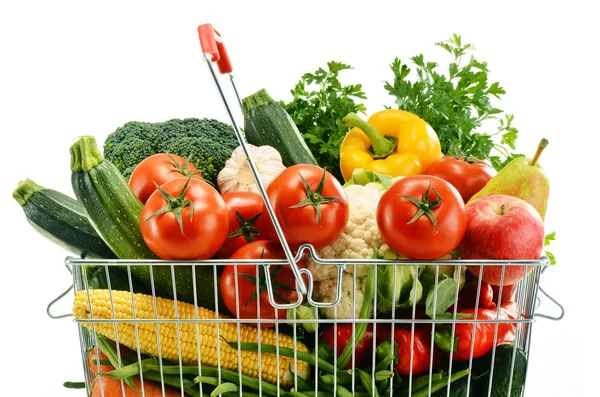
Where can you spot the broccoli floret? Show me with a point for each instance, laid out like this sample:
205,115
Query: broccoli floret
207,143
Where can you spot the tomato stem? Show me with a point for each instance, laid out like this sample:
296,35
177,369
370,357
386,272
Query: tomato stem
262,285
469,159
247,228
316,198
425,206
175,204
182,169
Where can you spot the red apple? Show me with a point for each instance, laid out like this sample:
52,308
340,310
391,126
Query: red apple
501,227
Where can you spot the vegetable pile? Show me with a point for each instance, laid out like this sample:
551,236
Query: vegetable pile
414,186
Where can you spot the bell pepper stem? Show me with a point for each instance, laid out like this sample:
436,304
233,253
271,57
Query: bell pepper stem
443,340
381,146
384,349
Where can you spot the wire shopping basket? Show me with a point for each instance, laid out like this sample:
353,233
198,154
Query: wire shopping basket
183,339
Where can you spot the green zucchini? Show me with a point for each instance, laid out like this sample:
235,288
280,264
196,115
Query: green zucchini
114,211
506,377
61,219
267,123
119,279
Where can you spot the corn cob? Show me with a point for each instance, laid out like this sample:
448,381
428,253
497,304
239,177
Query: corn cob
148,341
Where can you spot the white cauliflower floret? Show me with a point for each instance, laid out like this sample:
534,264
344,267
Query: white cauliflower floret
357,241
327,290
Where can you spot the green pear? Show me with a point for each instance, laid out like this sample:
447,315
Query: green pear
523,178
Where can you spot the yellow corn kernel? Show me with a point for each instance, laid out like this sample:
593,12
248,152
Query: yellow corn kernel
148,342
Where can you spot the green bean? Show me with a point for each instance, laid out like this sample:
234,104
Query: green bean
383,375
130,370
319,393
296,393
74,385
342,378
385,363
267,388
424,392
224,388
343,392
285,352
421,381
175,381
367,382
111,353
303,385
209,380
365,313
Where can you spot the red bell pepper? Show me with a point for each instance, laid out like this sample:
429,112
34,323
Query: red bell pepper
483,332
402,347
468,295
508,292
362,351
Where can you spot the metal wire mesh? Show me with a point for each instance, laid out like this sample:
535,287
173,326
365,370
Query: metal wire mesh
317,381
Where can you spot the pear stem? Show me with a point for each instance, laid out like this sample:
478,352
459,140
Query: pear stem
541,147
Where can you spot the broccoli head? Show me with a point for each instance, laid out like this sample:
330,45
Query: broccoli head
207,143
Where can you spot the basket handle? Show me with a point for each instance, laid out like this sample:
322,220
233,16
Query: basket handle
214,51
49,308
560,307
212,44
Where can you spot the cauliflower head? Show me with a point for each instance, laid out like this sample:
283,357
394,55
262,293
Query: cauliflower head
357,241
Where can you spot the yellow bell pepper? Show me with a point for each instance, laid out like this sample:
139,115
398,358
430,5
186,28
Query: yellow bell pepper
393,142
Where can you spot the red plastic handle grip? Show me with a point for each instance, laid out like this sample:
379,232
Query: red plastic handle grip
211,43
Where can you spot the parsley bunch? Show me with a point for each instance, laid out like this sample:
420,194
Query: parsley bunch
456,102
319,103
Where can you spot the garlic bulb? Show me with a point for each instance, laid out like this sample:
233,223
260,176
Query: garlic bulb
236,176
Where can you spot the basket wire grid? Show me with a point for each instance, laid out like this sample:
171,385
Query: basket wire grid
525,297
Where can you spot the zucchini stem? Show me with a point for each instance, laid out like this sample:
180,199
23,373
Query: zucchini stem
256,100
85,154
25,189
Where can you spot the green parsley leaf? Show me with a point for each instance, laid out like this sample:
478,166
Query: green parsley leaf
547,240
319,103
457,103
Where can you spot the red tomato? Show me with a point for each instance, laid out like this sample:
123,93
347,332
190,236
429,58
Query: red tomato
310,205
185,219
245,220
467,174
249,286
159,169
421,217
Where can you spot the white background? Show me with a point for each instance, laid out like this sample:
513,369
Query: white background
85,68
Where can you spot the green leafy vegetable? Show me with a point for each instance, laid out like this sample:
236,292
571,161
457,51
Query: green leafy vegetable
445,297
303,312
319,104
372,179
457,103
449,279
547,240
398,286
